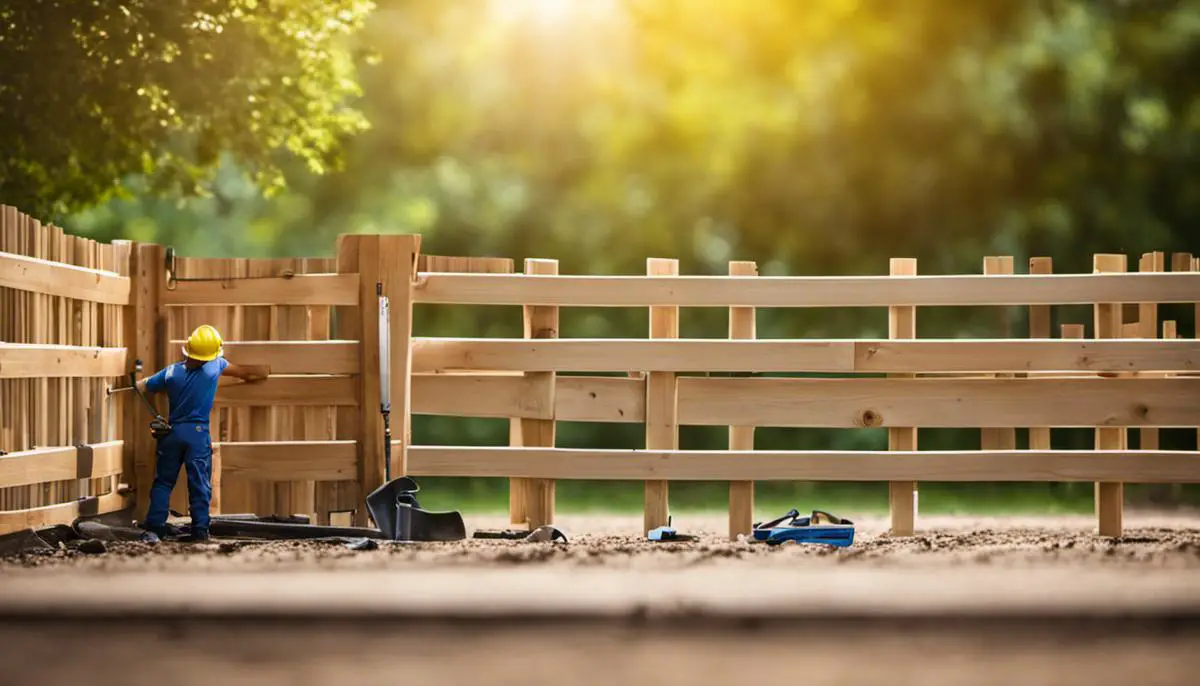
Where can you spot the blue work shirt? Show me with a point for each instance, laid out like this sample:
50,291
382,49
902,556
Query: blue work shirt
191,392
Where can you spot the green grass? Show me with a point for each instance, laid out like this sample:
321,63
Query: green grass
771,498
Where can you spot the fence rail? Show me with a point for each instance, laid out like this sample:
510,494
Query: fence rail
308,439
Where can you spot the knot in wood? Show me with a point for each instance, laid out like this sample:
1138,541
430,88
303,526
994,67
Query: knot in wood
1141,410
870,418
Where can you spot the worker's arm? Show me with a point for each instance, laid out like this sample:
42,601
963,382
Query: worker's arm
248,373
154,383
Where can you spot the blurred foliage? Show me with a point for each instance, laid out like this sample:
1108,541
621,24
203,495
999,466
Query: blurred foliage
819,137
96,91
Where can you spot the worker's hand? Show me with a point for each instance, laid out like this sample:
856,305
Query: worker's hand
248,373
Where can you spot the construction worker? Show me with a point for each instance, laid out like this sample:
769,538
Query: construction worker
191,387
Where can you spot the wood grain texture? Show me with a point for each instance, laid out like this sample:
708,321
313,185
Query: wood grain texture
302,289
25,361
49,278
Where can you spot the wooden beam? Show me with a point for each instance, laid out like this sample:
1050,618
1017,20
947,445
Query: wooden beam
27,361
1110,495
1040,327
540,323
294,357
619,400
804,355
662,416
289,390
62,513
479,396
288,461
803,291
43,465
940,403
990,437
301,289
741,436
46,277
1179,466
902,493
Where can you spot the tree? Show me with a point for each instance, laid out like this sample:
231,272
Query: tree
94,92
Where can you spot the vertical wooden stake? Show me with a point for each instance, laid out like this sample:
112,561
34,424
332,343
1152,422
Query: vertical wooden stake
1148,328
662,417
392,261
142,331
1003,438
1040,327
1184,262
902,495
741,493
1108,324
540,322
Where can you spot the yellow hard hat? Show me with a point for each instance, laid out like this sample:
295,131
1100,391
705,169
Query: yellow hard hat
204,344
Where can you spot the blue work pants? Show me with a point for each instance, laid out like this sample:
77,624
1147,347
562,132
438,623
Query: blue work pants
190,446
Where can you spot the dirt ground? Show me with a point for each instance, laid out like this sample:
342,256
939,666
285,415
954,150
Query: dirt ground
967,601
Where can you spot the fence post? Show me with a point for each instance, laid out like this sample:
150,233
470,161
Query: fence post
1184,262
143,327
999,438
392,261
1040,327
1148,328
1109,496
902,495
662,417
540,322
741,493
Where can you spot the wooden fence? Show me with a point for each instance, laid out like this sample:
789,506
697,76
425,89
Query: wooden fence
308,440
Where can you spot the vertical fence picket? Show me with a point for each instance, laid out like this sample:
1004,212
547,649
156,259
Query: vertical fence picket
540,322
741,493
902,495
1109,324
662,400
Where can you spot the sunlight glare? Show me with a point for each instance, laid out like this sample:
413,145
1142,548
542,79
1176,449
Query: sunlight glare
546,11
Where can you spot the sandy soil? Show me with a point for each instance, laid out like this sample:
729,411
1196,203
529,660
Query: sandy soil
966,601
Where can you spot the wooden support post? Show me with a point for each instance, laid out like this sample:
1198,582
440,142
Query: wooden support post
741,493
662,406
392,261
1040,327
999,438
540,322
902,495
1148,328
143,326
1109,496
1184,262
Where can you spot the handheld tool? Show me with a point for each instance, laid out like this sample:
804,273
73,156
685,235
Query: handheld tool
159,427
818,527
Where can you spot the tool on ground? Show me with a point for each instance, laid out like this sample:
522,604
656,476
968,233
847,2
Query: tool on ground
393,506
818,527
668,533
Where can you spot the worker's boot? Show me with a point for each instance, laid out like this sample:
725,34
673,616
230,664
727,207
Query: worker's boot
194,537
164,532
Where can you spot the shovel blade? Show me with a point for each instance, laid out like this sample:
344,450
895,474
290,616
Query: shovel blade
399,517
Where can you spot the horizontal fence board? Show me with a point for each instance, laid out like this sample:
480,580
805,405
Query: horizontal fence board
301,289
576,398
803,355
1082,355
43,465
805,291
288,461
63,280
63,513
606,355
293,357
285,391
945,403
478,396
28,361
723,465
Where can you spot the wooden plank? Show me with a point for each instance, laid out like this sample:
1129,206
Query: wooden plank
465,265
617,400
803,291
538,494
990,437
46,277
1148,328
436,355
741,436
662,423
1040,327
290,323
289,390
343,496
444,355
26,361
1025,356
319,423
43,465
1110,496
902,494
1179,466
283,461
302,289
480,396
294,357
61,513
940,403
